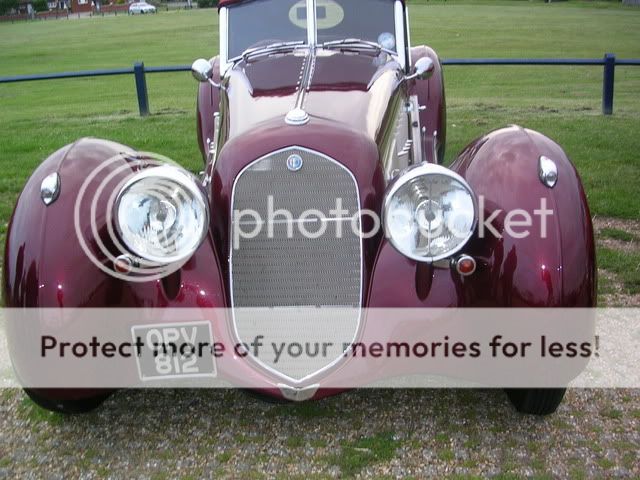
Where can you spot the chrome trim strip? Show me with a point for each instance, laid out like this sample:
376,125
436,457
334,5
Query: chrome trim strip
406,148
416,136
401,44
213,144
435,147
298,394
250,355
224,41
407,29
298,116
312,22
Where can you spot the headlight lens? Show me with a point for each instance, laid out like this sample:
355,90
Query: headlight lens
430,213
162,215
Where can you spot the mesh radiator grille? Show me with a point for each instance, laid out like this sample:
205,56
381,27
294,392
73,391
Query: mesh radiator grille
280,266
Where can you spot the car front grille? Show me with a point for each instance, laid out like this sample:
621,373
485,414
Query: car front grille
293,270
280,267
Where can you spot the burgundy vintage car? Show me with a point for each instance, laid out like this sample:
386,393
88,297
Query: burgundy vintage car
307,103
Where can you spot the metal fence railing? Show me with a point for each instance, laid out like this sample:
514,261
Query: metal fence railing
609,62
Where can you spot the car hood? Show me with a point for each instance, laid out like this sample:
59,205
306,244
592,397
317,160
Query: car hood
353,90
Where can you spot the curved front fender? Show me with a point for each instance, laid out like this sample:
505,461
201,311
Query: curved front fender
553,266
45,265
556,269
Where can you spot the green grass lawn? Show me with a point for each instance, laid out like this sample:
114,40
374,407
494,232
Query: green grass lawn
563,102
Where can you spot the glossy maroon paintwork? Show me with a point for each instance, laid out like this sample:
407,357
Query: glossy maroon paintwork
45,266
357,152
342,90
352,102
431,94
558,271
350,130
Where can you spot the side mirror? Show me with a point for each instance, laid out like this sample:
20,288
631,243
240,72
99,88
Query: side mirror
422,70
202,70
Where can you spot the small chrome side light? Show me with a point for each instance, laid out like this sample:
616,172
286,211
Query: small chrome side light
50,188
124,264
548,171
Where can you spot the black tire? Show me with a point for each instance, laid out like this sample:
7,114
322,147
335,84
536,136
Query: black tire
536,401
67,407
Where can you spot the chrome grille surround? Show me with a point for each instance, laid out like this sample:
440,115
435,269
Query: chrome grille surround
293,272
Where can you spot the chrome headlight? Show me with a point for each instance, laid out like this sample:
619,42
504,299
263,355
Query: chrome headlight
429,213
162,215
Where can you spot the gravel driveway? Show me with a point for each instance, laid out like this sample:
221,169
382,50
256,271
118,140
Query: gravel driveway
435,433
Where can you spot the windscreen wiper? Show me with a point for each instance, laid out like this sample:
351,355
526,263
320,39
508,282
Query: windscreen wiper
280,47
355,44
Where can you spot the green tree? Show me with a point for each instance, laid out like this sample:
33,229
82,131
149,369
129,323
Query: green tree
207,3
7,5
40,5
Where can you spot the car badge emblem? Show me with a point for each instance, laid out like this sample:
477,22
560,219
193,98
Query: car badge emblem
294,163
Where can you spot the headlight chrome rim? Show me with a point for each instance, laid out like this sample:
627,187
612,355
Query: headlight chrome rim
182,179
411,173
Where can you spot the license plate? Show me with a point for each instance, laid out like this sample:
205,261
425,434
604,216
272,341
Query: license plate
173,351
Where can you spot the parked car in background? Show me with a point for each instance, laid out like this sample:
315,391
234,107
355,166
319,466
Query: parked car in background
141,8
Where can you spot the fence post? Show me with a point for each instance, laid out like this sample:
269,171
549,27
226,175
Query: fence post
141,88
607,83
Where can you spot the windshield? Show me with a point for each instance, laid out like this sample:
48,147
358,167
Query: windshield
263,22
370,20
259,23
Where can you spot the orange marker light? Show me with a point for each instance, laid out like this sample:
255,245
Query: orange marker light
465,265
123,264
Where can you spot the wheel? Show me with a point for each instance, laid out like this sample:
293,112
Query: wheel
536,401
68,407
